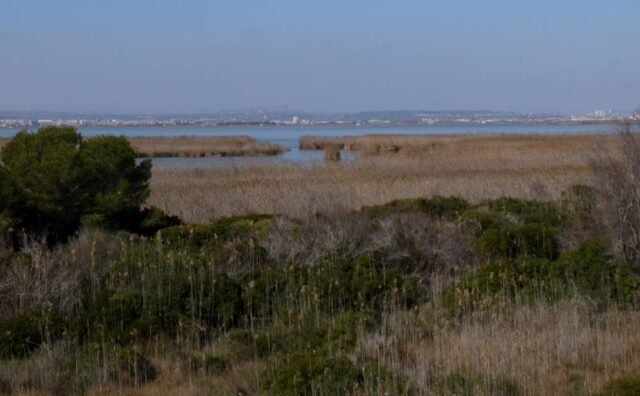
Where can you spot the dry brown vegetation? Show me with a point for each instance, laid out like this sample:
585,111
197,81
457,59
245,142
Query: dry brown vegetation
197,146
473,167
203,146
544,348
420,145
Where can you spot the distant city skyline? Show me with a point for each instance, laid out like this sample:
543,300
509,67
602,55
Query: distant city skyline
196,56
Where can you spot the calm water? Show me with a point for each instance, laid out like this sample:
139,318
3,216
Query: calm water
288,136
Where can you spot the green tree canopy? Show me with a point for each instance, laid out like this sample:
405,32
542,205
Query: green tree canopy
51,181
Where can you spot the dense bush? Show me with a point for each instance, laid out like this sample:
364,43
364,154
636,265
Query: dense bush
467,385
23,333
115,316
311,374
509,227
130,367
53,180
624,386
220,230
589,271
437,207
338,285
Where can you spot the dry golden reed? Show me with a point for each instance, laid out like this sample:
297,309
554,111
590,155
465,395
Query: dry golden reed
473,167
203,146
197,146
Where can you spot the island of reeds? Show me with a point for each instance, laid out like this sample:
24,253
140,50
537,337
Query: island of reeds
197,146
477,265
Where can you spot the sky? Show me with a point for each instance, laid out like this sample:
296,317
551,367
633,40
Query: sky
191,56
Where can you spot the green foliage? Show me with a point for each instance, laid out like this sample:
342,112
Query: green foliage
509,227
625,386
337,285
311,374
151,220
436,207
220,230
172,300
129,366
594,272
211,364
468,385
381,380
24,333
590,271
327,334
56,179
115,316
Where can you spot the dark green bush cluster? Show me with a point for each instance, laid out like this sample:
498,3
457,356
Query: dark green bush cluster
220,230
337,285
22,334
202,303
437,207
624,386
311,374
589,271
186,294
314,372
509,227
468,385
129,366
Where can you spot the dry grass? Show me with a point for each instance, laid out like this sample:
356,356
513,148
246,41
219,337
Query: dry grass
421,144
473,167
197,146
331,152
203,146
568,348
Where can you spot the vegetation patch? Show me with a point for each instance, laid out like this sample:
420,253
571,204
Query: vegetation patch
468,385
590,271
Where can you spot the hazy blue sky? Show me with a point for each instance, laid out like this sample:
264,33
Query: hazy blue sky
330,55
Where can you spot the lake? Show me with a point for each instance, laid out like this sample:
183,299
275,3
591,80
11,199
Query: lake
288,136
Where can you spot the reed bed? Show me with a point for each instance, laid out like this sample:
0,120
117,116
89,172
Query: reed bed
421,144
473,167
198,146
543,348
203,146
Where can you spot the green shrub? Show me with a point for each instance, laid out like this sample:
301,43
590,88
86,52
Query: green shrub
115,317
594,272
337,285
436,207
589,271
381,380
211,364
220,230
469,385
217,303
625,386
129,366
307,374
521,206
151,220
508,227
25,332
327,334
215,364
212,301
